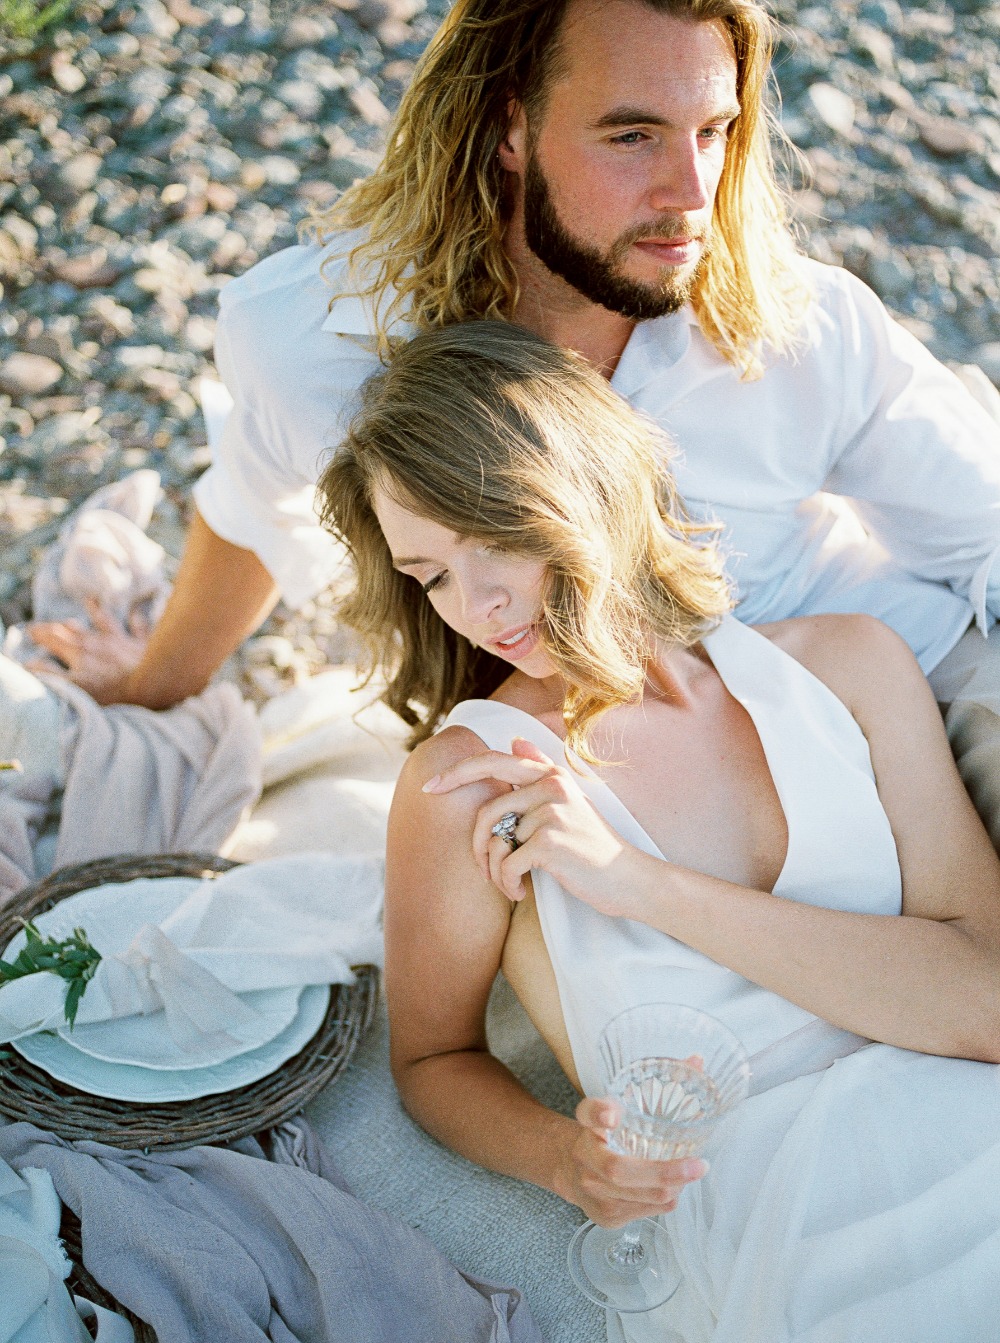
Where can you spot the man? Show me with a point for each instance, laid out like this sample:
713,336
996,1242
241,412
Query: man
600,171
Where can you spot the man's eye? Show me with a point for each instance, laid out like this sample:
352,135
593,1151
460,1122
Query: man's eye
431,584
629,138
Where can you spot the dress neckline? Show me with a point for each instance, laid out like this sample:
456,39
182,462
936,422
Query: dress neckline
757,712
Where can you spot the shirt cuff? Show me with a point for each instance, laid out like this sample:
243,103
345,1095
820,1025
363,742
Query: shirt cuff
300,556
984,593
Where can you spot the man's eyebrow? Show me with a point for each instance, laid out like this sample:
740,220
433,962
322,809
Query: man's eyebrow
642,116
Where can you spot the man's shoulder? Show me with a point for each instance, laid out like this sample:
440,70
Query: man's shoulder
273,328
306,274
838,291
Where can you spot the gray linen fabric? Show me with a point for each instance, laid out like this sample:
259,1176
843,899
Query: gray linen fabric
136,781
215,1244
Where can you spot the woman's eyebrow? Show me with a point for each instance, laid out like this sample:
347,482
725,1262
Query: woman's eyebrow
404,561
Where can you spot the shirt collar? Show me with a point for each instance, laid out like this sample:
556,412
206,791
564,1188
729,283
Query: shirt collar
350,315
653,347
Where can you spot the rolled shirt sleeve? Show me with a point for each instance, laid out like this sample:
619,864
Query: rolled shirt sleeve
293,386
920,460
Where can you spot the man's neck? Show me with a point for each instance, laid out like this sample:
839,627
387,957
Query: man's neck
554,310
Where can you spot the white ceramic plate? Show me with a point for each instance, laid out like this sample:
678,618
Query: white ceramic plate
120,1081
146,1042
111,916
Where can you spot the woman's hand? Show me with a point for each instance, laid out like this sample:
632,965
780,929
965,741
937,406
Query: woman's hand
613,1189
98,657
558,830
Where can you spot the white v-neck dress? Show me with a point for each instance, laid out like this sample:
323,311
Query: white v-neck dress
848,1201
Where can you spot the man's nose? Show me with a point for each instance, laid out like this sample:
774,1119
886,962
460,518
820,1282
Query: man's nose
681,184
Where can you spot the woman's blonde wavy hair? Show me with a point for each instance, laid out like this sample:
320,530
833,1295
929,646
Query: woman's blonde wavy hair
494,433
433,214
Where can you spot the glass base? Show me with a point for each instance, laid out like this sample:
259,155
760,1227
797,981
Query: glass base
629,1270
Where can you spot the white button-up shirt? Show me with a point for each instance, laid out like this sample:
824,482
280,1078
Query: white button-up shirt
859,475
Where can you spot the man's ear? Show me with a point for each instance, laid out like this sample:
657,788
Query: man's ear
513,150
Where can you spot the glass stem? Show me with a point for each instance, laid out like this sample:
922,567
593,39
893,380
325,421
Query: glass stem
626,1251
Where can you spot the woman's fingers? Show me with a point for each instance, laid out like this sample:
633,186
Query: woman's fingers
523,802
497,765
615,1188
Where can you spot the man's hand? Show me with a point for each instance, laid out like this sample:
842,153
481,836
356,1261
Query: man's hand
98,657
612,1189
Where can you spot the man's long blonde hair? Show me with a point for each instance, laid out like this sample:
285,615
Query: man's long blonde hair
494,433
433,214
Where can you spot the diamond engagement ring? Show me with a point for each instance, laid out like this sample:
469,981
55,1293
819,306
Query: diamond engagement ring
506,828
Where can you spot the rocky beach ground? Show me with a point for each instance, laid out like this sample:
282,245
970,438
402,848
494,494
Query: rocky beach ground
150,150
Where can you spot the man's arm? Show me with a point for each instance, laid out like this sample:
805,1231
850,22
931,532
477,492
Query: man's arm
917,454
222,594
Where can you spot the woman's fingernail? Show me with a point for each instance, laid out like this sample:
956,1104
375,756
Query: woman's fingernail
431,784
694,1170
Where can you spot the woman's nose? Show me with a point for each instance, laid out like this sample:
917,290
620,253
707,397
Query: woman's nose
483,602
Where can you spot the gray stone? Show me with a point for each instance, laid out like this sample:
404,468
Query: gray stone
222,163
890,276
279,171
307,30
875,43
304,98
29,374
366,102
63,431
67,76
199,334
948,137
149,85
833,106
154,20
23,234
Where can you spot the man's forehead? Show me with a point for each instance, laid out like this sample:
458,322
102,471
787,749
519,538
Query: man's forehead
600,37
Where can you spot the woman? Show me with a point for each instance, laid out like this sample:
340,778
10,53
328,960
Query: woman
764,824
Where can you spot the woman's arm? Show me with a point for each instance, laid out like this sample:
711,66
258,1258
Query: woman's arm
445,927
928,980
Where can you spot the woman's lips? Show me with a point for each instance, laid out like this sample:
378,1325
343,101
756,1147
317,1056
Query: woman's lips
521,646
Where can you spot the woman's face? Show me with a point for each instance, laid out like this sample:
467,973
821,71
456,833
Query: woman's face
491,596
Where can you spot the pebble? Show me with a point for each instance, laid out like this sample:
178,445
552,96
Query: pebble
150,150
833,107
29,374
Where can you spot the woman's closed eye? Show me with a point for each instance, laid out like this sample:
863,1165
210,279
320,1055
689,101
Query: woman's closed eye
428,587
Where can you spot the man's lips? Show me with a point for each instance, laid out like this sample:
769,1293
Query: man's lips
671,251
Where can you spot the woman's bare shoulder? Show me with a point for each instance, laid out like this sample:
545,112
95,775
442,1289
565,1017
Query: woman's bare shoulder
413,810
858,657
437,753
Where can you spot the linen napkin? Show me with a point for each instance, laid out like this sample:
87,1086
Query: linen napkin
286,922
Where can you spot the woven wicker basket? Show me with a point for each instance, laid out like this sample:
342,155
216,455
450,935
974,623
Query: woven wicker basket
28,1093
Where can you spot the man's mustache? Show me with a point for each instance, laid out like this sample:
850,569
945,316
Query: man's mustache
676,229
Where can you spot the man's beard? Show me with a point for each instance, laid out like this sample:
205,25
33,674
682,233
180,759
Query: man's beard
596,275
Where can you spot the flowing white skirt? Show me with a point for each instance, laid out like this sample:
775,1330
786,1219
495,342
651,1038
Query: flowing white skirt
856,1205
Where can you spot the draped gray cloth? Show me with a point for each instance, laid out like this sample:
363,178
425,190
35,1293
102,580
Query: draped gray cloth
217,1243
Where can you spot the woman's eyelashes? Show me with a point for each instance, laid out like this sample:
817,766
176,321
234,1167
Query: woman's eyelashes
428,587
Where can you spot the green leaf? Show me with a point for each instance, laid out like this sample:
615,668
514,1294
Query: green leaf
73,959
